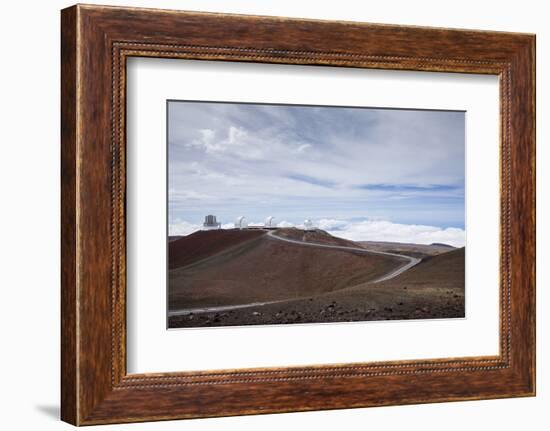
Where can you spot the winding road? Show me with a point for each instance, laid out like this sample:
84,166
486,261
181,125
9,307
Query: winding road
410,262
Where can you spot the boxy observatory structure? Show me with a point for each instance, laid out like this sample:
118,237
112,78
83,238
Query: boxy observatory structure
210,223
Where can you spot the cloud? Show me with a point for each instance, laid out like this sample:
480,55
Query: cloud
311,180
187,194
383,230
207,135
236,136
285,223
331,224
364,230
302,148
233,142
182,228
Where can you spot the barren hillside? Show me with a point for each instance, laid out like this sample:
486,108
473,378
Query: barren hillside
432,289
202,244
251,266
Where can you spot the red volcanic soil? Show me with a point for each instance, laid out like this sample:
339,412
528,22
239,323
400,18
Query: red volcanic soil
202,244
445,269
432,289
251,266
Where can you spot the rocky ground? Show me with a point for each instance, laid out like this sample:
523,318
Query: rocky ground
262,268
432,289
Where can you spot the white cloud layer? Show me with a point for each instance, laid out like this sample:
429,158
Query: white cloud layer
365,230
182,228
382,230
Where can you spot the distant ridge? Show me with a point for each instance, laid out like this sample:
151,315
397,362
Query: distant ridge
416,250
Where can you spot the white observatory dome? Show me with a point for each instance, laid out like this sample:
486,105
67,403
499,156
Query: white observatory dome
269,222
241,223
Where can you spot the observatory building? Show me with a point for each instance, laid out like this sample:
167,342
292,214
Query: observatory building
308,225
211,223
270,222
241,223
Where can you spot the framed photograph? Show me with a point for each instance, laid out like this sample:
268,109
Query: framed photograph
263,214
320,184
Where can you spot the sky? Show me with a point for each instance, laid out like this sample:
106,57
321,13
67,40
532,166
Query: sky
359,173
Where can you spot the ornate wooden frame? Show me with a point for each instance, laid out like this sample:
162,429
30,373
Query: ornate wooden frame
96,41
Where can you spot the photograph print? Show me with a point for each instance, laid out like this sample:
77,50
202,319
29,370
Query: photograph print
296,214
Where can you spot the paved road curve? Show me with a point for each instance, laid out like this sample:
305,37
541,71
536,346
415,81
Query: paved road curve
411,261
